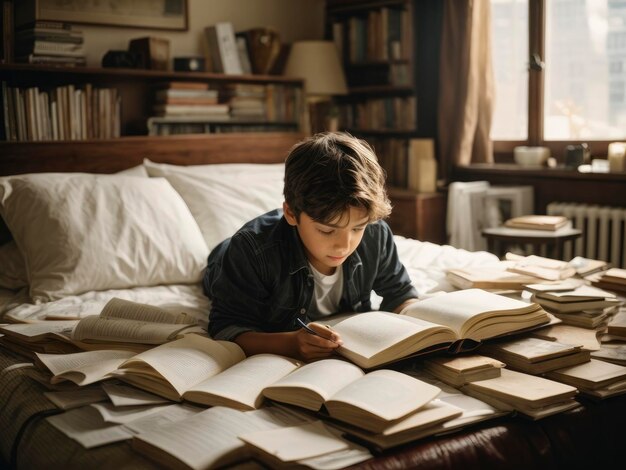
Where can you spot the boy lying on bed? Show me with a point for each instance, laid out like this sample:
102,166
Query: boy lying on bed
323,253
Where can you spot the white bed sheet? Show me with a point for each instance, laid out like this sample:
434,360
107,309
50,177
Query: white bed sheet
426,263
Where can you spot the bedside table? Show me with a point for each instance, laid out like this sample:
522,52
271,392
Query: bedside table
421,216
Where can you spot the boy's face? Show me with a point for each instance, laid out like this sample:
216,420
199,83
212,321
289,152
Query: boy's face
328,245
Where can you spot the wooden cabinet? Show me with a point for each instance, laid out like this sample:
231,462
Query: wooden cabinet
134,92
418,215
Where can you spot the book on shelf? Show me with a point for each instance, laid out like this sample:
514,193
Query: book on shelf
52,48
535,356
535,397
454,320
191,109
123,321
350,396
186,96
222,49
488,278
177,445
595,378
537,222
457,371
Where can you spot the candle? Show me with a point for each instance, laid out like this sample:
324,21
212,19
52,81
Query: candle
617,157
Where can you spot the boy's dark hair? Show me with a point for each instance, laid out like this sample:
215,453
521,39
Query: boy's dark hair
329,172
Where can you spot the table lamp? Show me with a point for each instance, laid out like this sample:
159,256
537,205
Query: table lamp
317,62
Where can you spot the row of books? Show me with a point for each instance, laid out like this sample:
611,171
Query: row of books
380,35
62,113
49,42
393,113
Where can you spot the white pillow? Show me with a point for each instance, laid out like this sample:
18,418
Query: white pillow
223,197
82,232
14,276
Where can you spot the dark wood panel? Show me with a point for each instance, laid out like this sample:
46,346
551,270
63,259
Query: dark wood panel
421,216
109,156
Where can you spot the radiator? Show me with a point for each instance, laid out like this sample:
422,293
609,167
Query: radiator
603,227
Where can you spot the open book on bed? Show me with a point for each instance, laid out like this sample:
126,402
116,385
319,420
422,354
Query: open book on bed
455,320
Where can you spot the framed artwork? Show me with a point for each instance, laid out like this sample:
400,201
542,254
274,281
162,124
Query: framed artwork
151,14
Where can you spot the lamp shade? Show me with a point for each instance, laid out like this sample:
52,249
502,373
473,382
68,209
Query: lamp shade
317,62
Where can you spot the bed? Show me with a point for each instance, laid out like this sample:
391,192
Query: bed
153,217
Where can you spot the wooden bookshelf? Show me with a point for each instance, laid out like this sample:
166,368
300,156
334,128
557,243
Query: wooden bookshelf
136,91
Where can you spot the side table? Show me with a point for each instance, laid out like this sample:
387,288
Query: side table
498,238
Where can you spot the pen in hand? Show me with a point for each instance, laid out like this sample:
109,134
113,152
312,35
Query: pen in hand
310,330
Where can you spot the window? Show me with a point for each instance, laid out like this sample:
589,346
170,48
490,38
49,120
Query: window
559,73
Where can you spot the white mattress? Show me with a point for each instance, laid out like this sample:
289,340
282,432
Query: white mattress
426,263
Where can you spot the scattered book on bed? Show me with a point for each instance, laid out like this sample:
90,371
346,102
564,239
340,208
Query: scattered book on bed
567,306
568,334
617,325
488,278
209,438
595,378
455,320
586,266
537,222
123,321
372,401
202,370
590,319
613,279
540,267
614,354
42,337
530,395
535,356
457,371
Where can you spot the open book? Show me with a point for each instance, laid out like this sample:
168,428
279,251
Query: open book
206,371
130,322
457,320
372,401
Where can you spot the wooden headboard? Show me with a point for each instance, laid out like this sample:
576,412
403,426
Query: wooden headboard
110,156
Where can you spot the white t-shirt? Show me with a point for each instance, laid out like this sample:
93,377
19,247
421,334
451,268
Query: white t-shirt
326,294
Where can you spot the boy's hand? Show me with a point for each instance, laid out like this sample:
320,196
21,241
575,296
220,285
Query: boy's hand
317,344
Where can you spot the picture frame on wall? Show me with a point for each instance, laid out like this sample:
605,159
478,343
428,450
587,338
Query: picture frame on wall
149,14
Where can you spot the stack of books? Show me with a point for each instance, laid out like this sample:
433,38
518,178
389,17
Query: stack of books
489,278
583,298
49,43
458,371
540,267
537,222
597,379
617,326
532,396
535,356
248,102
613,279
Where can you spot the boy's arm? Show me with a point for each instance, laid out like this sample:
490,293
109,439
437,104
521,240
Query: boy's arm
300,344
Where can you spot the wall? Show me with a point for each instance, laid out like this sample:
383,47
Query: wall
293,19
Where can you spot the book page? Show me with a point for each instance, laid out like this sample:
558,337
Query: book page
455,309
243,383
126,414
85,367
124,395
167,416
530,349
189,360
324,378
384,394
96,328
70,399
34,331
296,442
120,308
187,440
568,334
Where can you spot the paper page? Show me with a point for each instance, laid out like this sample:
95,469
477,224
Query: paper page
189,360
245,381
125,414
85,367
71,399
31,330
296,442
187,439
124,395
324,377
120,308
453,309
371,332
165,417
568,334
386,394
338,460
97,328
86,426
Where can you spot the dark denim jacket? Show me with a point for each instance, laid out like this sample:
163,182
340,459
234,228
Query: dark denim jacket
259,280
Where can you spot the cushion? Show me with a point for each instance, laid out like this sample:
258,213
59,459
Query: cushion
15,275
223,197
81,232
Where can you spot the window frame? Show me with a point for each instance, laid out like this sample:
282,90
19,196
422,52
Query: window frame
503,149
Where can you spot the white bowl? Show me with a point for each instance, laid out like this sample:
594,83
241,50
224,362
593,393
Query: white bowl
531,156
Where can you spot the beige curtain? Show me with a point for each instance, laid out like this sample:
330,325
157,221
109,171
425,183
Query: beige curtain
466,88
